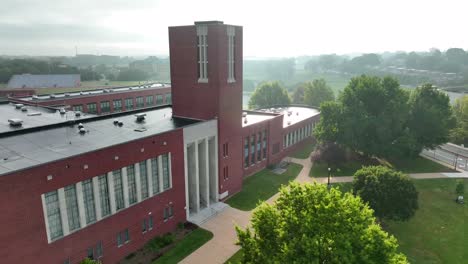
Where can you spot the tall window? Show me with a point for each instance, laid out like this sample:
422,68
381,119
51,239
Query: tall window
246,152
159,99
132,197
53,215
285,138
231,54
118,189
168,98
259,146
149,100
129,103
155,175
105,107
252,149
104,195
140,102
264,144
117,105
143,180
92,108
88,197
123,237
72,207
202,44
166,171
77,108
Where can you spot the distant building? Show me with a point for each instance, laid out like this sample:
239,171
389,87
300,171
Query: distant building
44,80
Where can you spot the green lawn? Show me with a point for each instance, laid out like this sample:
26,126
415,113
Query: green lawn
304,153
185,247
261,186
416,165
236,258
438,232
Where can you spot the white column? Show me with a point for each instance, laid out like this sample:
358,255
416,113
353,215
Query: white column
150,178
125,186
207,173
160,174
187,198
46,219
81,208
63,211
197,180
137,181
110,182
97,198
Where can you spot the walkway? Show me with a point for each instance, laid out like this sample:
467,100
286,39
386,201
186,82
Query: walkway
222,246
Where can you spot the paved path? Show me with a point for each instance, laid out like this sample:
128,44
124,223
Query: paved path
219,249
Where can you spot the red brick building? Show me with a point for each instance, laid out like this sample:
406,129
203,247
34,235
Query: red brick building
100,186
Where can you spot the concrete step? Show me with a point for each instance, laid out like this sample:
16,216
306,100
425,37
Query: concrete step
206,214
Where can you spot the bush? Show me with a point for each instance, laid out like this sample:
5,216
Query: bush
160,242
90,261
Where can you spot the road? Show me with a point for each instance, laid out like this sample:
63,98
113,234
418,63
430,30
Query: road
451,155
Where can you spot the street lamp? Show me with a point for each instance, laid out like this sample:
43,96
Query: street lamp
329,172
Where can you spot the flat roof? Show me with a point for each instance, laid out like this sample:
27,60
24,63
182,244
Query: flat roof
47,97
252,117
34,117
292,114
24,150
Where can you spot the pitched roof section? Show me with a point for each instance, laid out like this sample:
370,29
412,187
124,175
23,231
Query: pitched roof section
44,80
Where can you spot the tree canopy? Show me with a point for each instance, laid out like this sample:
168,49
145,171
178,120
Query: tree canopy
317,92
390,193
269,94
377,117
459,134
311,224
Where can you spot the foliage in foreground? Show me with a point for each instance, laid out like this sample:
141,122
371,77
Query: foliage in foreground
311,224
391,194
459,134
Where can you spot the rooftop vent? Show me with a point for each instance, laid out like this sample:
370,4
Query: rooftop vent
105,90
289,123
120,123
24,109
289,113
297,113
140,117
81,93
77,113
116,121
67,95
18,106
62,111
16,122
244,114
35,97
82,130
245,120
80,125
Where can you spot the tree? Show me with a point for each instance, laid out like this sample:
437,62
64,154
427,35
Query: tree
391,194
269,94
368,117
459,134
310,224
329,153
430,119
298,95
317,92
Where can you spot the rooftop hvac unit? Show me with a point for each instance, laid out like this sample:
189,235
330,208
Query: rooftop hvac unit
289,123
52,96
18,106
67,95
116,121
24,109
62,111
140,117
105,90
77,113
120,123
16,122
80,125
35,97
245,120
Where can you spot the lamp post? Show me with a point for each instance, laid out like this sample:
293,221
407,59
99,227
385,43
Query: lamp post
329,172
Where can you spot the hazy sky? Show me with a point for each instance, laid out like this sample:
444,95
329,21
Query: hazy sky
271,28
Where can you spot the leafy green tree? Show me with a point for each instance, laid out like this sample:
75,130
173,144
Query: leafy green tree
310,224
430,118
317,92
269,94
459,134
329,153
390,193
298,95
369,116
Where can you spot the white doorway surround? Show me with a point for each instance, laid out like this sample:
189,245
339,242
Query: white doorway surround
201,171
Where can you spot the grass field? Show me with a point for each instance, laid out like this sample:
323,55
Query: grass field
185,247
416,165
304,152
261,186
236,258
